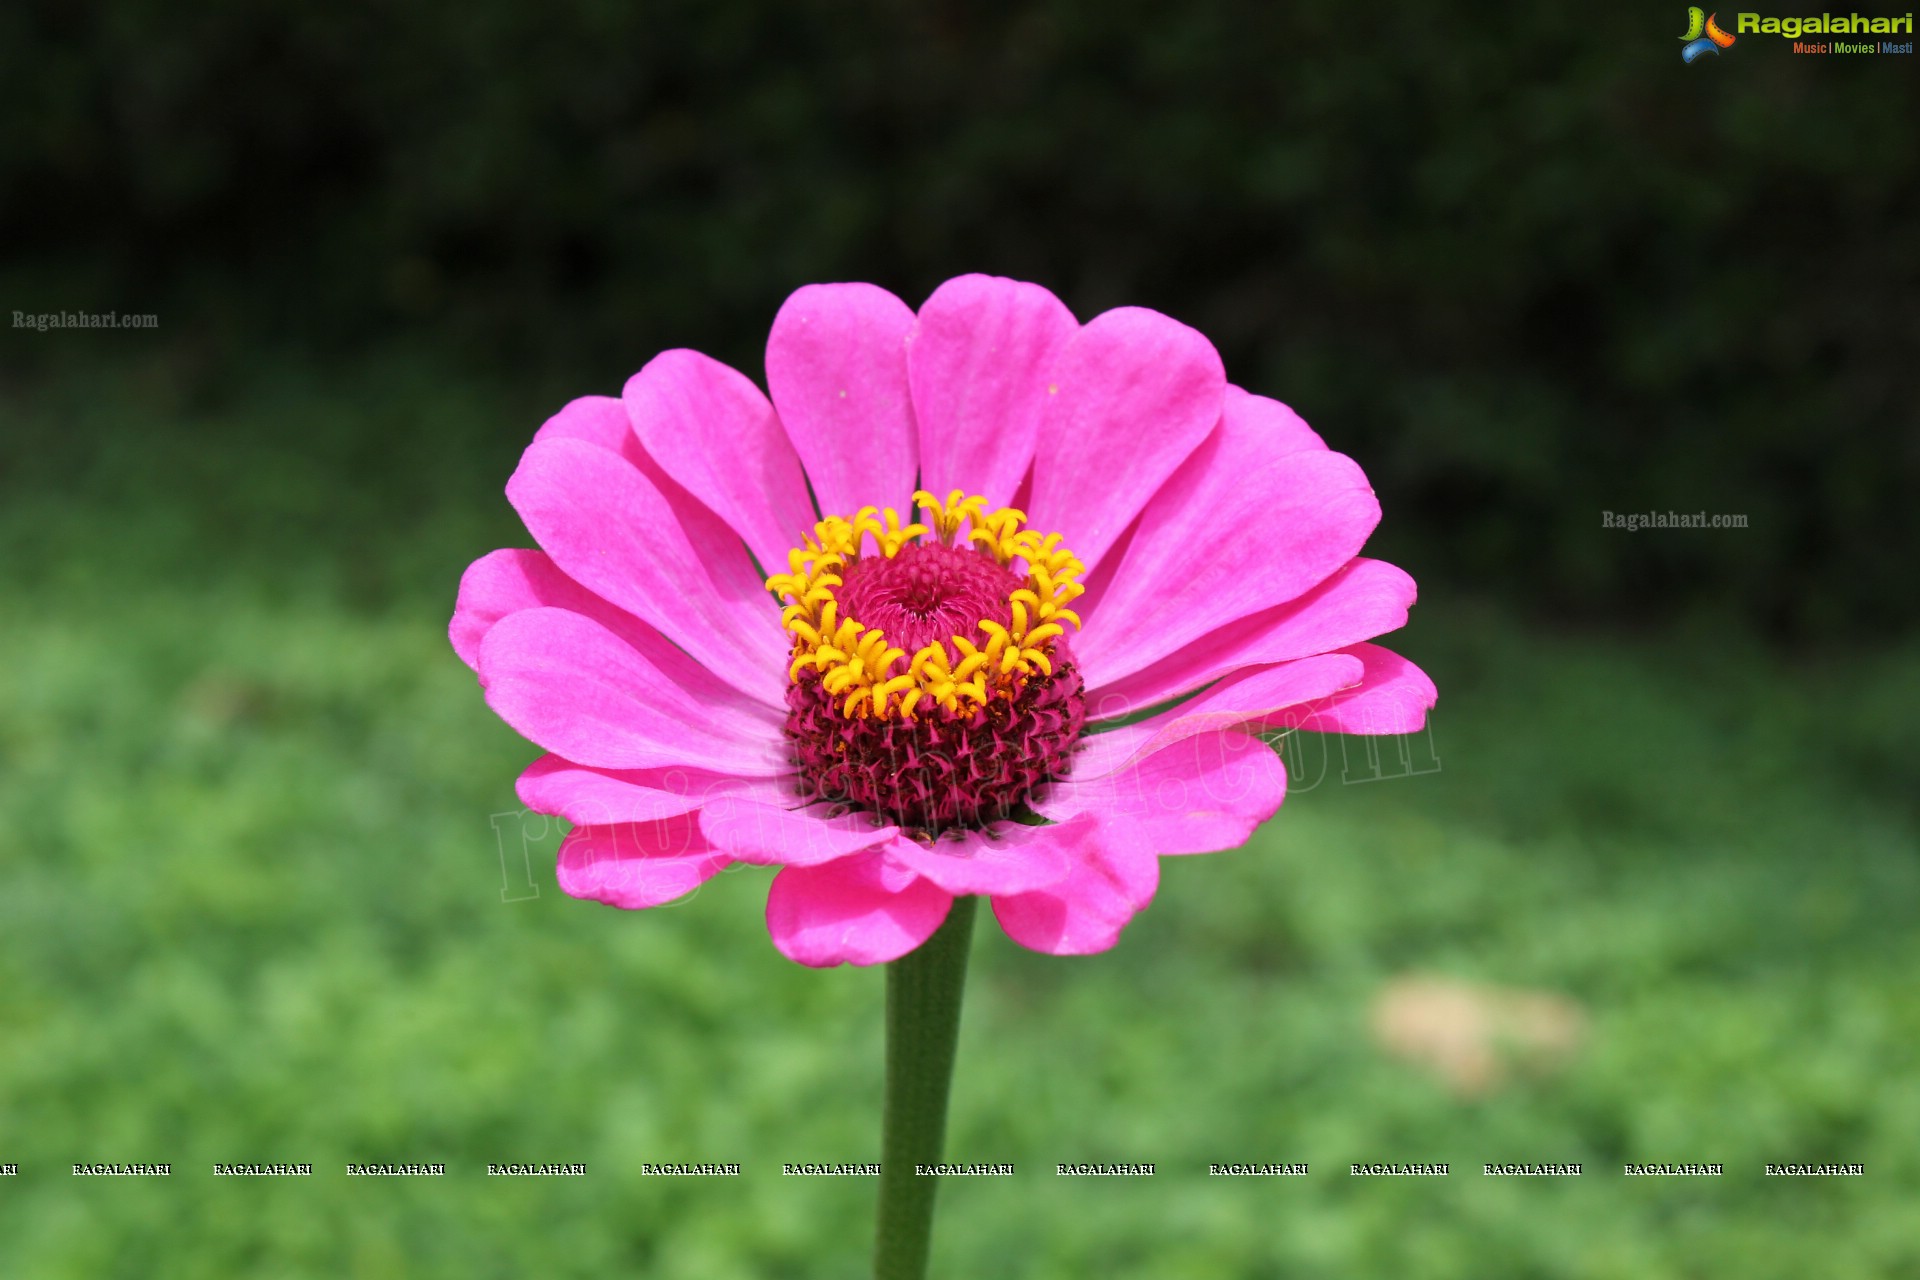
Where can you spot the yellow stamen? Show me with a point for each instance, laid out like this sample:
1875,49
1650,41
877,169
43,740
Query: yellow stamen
874,678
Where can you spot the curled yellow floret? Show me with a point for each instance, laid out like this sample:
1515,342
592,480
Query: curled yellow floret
865,674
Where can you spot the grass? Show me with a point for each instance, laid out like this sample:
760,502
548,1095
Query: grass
264,899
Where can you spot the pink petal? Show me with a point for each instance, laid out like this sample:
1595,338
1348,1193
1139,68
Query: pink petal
1393,696
771,834
572,686
1010,859
1238,529
612,529
596,420
1251,699
1114,874
636,864
979,364
602,797
1284,430
1100,577
710,429
1202,794
1136,392
850,912
1363,599
696,430
509,580
503,583
837,367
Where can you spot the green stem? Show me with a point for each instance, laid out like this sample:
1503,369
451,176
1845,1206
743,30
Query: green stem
924,990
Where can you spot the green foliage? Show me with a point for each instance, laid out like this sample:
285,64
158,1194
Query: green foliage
265,900
1518,259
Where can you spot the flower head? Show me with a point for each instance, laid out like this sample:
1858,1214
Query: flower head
737,648
931,686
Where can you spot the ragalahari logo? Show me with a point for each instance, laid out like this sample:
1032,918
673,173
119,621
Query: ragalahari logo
1712,41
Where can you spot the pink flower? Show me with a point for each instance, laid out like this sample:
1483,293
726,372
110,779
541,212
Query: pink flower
884,708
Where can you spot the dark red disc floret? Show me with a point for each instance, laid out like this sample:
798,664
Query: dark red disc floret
941,770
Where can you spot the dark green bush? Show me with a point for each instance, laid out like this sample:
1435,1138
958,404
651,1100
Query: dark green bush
1520,260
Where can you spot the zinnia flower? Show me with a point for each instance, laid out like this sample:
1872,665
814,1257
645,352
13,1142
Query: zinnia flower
736,649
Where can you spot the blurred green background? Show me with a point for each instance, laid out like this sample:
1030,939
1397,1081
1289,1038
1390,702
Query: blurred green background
265,892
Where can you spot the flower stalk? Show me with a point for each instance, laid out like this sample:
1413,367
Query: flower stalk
924,992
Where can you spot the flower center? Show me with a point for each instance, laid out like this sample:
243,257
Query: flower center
932,685
927,593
